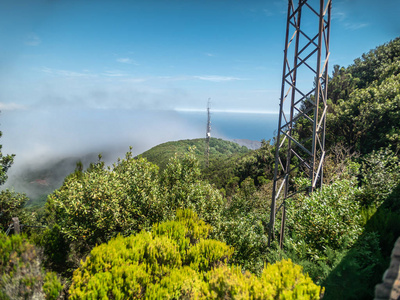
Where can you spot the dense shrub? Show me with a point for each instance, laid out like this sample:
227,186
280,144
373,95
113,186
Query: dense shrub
93,206
380,174
177,260
181,186
12,205
282,280
127,267
328,218
22,276
100,203
358,272
243,225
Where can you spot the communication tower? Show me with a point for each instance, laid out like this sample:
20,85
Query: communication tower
208,133
303,101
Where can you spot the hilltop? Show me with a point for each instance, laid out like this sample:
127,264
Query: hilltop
219,150
38,181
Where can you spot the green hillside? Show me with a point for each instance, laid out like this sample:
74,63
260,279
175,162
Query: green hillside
219,150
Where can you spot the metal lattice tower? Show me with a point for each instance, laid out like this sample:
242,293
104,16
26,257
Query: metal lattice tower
303,103
208,133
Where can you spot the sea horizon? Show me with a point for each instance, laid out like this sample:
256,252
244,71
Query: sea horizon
230,125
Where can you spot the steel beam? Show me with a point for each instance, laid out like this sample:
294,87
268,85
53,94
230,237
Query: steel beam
303,100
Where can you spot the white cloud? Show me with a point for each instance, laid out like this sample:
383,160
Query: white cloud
216,78
126,60
114,73
32,40
355,26
67,73
134,80
11,106
267,12
339,15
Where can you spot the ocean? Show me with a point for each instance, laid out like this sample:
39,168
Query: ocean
38,136
234,125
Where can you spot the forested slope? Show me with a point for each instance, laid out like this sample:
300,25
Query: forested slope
220,150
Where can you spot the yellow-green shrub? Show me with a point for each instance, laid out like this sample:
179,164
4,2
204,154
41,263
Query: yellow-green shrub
288,282
134,266
282,280
176,261
207,254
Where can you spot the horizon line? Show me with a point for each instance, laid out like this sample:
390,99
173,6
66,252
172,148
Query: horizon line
233,111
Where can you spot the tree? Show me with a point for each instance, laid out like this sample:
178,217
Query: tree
5,163
11,203
93,206
100,203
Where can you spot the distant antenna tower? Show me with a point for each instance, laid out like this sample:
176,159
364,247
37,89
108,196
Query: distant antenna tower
208,133
303,101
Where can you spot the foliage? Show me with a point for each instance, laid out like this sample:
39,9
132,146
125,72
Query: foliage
328,218
380,174
228,174
377,64
51,286
56,250
22,276
219,151
243,226
100,203
5,163
176,260
96,205
282,280
12,205
182,187
127,267
364,99
356,270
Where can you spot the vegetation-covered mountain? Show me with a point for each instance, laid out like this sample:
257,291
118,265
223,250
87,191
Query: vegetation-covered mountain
39,180
160,219
220,150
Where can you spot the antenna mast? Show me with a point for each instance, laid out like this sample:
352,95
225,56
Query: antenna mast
208,133
303,101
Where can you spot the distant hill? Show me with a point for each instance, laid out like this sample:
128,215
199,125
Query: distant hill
38,181
219,149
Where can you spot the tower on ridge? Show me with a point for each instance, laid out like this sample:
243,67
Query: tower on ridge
208,134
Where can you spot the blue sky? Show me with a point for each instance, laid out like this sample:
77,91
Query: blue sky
68,67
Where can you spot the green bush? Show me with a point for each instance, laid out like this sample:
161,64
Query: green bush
380,174
358,272
176,260
22,276
328,218
93,206
51,286
127,267
12,205
98,204
243,225
182,187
